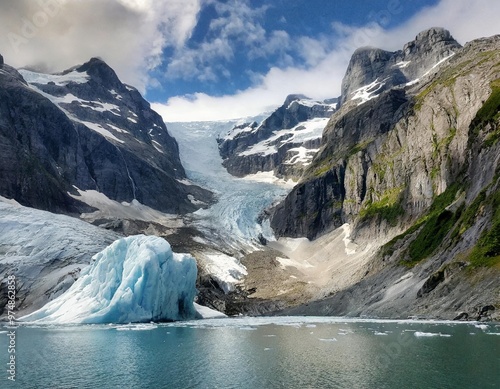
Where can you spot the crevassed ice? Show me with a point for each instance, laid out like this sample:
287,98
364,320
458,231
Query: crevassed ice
135,279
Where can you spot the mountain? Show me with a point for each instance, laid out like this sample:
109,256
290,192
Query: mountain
82,130
414,170
372,71
284,143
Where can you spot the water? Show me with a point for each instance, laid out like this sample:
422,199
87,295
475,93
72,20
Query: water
234,218
258,353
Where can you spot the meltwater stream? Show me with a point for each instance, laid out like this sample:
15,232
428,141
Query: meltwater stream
234,218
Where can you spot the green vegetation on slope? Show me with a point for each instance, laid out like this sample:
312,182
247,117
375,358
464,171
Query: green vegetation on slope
489,114
388,207
486,252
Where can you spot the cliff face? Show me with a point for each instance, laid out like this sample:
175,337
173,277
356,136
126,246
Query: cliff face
284,143
83,128
416,168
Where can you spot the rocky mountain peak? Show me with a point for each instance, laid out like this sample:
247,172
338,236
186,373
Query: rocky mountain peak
99,71
1,60
294,97
378,70
434,35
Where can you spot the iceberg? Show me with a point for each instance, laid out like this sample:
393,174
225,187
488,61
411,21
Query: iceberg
135,279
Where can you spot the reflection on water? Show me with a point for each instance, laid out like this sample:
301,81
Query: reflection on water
253,353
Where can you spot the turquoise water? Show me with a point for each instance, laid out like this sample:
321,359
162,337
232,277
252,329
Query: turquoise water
257,353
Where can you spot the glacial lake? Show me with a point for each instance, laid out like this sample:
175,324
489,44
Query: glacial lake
257,353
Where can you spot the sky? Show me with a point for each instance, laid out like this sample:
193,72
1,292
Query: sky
225,59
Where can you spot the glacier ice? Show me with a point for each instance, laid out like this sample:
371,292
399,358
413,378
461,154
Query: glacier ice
240,202
135,279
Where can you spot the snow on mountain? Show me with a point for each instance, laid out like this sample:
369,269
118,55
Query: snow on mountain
135,279
226,270
85,128
57,79
368,92
309,130
278,143
44,251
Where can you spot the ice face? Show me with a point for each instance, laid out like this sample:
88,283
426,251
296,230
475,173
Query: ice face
135,279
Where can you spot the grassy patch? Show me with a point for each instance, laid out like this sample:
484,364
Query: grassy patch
388,207
486,252
490,111
319,168
389,247
468,216
358,147
430,236
434,227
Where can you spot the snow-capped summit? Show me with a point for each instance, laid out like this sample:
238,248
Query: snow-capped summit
283,143
83,129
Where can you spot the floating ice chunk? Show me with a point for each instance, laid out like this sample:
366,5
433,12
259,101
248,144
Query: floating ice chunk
419,334
328,340
135,279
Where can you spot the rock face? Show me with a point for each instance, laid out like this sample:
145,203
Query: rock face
372,71
416,169
315,205
83,128
285,142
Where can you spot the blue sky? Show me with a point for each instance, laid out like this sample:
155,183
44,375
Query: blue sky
224,59
234,42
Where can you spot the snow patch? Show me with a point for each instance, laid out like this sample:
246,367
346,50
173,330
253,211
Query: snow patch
193,200
402,64
304,131
437,64
269,178
111,209
368,92
135,279
302,155
58,79
416,81
157,146
101,130
226,270
117,129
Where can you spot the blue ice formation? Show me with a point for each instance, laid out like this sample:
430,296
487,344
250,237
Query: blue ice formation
135,279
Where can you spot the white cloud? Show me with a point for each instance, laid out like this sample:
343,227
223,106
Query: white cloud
129,35
237,27
327,58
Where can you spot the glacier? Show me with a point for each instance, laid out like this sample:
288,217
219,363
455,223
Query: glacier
135,279
235,219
